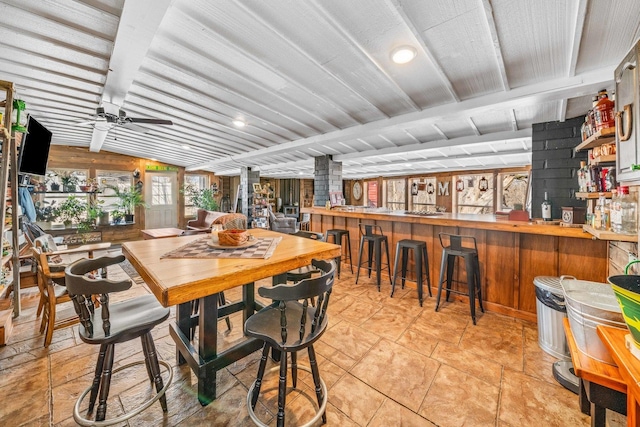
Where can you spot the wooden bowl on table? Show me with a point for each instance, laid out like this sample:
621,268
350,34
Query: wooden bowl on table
232,237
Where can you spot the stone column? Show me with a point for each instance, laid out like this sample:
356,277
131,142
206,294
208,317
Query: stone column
327,178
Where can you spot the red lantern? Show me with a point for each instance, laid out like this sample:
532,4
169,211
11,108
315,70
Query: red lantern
459,185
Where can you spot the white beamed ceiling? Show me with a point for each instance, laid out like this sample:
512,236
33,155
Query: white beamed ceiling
314,77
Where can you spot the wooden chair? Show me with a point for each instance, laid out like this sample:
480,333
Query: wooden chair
308,270
288,325
51,281
111,324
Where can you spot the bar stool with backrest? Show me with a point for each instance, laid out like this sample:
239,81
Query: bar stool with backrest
306,271
289,325
110,324
373,236
454,247
421,264
337,235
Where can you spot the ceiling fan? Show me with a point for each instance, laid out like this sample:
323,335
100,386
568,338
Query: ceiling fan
105,121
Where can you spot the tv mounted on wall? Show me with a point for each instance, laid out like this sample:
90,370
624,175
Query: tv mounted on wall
34,150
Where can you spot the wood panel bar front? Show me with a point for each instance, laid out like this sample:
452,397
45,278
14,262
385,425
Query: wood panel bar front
512,253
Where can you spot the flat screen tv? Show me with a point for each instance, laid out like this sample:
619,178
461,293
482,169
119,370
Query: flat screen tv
34,150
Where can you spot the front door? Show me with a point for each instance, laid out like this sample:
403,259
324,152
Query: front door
160,194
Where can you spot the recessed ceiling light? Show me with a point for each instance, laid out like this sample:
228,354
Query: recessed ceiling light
154,160
403,54
239,123
300,173
186,147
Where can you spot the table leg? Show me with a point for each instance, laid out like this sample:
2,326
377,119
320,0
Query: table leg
207,347
183,321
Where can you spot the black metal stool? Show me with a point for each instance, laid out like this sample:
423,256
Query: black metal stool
454,246
372,235
421,261
337,235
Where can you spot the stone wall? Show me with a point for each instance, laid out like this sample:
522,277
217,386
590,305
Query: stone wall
327,179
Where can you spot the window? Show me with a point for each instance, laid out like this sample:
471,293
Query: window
199,182
67,181
513,189
161,192
394,193
426,194
474,193
371,193
122,180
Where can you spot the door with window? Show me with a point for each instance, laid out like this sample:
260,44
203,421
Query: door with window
161,190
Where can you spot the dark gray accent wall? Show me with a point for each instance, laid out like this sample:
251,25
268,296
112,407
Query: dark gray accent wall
247,178
554,165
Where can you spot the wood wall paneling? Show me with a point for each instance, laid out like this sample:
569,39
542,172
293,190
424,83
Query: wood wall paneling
584,259
499,262
538,257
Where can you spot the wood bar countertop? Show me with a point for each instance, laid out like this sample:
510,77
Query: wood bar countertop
483,222
511,253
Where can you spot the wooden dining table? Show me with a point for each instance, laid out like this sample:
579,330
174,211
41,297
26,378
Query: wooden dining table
179,281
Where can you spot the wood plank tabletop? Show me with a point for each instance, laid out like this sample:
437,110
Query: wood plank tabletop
179,280
590,369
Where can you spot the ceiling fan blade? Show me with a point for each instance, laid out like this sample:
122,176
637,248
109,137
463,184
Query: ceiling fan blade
134,127
149,121
86,123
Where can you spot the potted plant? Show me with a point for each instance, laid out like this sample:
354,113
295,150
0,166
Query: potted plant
46,213
51,180
116,216
130,199
202,198
69,181
72,210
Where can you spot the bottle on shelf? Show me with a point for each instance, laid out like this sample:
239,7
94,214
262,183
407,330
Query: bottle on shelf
616,211
597,213
546,208
629,208
604,112
583,177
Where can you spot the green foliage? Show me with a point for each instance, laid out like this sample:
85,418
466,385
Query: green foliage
72,210
46,213
201,198
129,199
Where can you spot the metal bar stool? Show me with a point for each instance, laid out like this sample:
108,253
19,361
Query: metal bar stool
421,264
338,235
454,246
374,238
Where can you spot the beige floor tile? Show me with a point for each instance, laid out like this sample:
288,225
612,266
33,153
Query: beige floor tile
393,414
352,340
456,398
529,401
389,322
355,399
414,338
504,346
481,368
386,362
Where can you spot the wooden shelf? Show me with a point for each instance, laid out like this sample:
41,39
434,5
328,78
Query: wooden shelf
582,195
6,258
610,235
603,159
601,137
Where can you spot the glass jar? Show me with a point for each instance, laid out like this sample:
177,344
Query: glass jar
629,206
616,212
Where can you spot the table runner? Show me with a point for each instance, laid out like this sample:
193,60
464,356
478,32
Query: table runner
201,249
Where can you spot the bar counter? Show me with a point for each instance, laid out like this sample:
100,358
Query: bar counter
512,253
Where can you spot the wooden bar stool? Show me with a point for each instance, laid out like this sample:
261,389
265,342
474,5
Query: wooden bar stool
421,264
338,235
454,247
374,238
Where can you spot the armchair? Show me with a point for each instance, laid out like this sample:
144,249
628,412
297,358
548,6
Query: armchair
282,224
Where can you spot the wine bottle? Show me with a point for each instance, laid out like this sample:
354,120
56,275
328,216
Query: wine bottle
546,208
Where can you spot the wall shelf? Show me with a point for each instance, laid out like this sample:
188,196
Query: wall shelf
603,159
583,195
610,235
603,136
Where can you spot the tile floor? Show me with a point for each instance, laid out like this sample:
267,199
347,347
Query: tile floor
386,362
